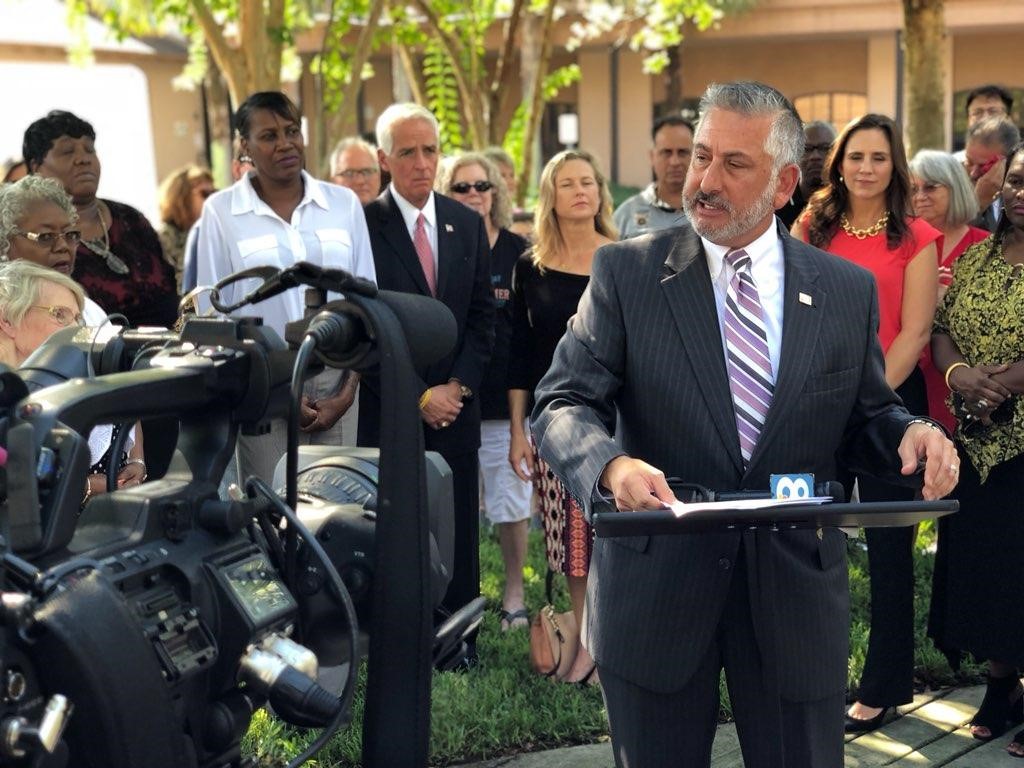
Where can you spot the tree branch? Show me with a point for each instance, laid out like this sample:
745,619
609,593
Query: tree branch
223,55
499,87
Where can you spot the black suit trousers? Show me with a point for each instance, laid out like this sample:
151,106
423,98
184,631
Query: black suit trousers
888,676
676,730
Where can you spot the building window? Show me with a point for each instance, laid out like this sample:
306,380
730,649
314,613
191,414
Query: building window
835,108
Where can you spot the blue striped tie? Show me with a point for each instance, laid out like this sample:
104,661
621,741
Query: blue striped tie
750,367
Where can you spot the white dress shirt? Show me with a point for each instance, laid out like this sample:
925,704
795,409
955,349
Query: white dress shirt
767,267
238,230
410,213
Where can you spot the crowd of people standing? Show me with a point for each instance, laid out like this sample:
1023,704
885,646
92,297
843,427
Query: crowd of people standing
942,238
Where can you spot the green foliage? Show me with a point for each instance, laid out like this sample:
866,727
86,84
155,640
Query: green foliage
443,95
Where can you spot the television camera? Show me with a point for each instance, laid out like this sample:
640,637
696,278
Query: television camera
147,627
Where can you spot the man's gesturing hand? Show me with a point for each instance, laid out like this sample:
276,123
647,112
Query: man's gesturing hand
636,484
941,464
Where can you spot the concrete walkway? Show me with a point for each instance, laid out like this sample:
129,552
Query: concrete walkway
932,732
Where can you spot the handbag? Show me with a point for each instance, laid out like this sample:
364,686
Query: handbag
554,638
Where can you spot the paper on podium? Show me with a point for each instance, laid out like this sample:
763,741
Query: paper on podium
679,508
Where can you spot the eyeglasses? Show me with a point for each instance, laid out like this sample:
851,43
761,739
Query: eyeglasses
204,192
49,239
63,316
462,187
351,173
979,112
927,189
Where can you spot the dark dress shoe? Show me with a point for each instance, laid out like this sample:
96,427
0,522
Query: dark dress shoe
862,725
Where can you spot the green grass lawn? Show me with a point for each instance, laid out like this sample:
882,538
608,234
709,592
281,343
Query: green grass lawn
503,707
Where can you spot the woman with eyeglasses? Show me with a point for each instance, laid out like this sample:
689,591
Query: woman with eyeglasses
38,224
942,195
862,214
182,195
573,218
978,342
36,302
476,182
119,260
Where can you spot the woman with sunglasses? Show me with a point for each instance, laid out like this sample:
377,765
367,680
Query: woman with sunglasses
119,259
863,215
476,182
978,342
182,195
38,224
573,218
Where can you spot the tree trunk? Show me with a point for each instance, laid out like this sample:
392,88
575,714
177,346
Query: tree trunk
673,83
536,58
924,47
221,138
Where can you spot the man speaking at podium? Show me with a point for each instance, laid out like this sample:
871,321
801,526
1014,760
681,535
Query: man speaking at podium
724,354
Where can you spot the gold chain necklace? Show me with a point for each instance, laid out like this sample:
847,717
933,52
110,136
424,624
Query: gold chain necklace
863,234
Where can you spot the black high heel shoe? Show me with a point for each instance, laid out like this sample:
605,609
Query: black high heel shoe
862,725
1003,705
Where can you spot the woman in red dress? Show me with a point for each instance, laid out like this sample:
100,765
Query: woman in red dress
863,215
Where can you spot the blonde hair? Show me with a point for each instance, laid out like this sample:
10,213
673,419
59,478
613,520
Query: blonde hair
19,288
175,193
501,205
548,239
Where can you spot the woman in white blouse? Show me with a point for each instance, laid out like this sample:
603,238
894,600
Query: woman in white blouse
277,215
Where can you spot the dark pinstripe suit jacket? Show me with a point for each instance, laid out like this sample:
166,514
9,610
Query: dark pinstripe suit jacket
645,344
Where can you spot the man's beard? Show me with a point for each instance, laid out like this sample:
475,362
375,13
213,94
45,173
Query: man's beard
741,222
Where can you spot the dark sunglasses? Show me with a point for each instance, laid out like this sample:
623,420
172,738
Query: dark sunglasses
462,187
972,426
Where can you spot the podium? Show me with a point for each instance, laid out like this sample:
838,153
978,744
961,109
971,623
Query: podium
773,518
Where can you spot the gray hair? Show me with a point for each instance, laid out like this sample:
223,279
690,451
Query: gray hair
501,206
995,130
20,281
352,142
16,198
938,167
399,113
499,156
823,125
785,142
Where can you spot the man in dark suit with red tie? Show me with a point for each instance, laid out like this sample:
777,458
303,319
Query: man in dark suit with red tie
722,354
428,244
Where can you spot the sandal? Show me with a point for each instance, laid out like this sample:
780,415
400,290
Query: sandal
1003,703
509,619
1016,747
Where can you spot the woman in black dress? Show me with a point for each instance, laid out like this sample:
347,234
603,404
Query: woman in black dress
572,220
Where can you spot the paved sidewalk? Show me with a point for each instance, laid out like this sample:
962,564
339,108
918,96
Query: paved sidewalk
932,732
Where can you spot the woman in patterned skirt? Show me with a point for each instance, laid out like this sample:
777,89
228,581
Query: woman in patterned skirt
572,220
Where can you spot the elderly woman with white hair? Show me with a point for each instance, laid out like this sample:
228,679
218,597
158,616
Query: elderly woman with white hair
942,195
36,302
476,182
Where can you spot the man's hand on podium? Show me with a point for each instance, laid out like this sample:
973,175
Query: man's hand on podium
923,443
636,484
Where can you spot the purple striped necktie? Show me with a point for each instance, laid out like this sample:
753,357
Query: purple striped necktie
750,367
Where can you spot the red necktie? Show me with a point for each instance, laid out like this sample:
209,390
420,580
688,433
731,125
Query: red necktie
426,255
